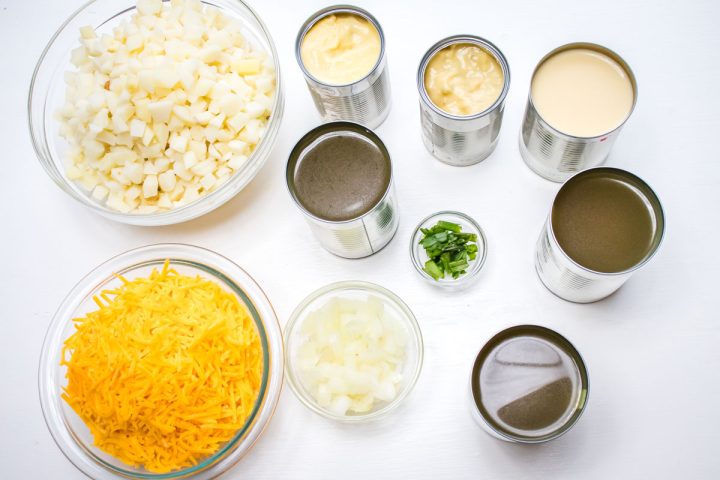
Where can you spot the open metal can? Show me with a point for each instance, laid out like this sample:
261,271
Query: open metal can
555,155
455,139
374,225
528,385
365,101
573,279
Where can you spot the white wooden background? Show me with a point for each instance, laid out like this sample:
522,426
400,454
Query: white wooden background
652,349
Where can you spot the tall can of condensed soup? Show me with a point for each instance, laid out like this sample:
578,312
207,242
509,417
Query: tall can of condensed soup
581,94
341,51
463,81
340,176
528,385
605,223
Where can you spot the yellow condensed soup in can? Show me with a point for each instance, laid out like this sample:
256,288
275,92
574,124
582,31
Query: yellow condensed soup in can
340,49
463,79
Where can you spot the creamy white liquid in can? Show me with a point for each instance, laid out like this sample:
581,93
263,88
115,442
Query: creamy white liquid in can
582,92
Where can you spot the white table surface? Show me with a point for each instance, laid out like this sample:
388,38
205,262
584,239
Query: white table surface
652,348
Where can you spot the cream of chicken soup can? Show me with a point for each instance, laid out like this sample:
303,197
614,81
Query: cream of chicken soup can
341,52
581,95
462,81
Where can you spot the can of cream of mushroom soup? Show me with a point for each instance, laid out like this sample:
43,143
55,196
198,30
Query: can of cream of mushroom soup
460,136
340,176
581,94
363,95
528,384
604,224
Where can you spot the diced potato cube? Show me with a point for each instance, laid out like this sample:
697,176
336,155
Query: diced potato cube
137,128
160,110
167,181
246,66
150,186
179,143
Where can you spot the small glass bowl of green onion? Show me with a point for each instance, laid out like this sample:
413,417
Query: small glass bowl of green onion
448,249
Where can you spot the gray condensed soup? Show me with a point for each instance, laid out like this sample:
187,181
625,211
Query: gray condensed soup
529,383
341,175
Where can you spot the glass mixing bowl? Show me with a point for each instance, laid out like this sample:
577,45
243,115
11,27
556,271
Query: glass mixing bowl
47,94
355,290
70,432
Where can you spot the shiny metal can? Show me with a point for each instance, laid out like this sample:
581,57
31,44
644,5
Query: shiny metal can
366,101
454,139
571,281
528,384
358,237
555,155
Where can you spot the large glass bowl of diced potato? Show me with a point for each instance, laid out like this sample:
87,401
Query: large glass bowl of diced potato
154,112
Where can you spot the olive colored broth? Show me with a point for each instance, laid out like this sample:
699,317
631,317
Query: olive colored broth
603,222
342,177
539,409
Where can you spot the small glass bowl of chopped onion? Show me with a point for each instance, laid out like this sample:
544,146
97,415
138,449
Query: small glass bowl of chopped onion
419,255
155,121
354,351
73,435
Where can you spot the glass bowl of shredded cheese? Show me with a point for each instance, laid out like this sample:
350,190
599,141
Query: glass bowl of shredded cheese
164,362
152,112
354,351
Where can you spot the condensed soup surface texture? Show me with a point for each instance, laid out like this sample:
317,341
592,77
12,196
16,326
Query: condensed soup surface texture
463,79
340,49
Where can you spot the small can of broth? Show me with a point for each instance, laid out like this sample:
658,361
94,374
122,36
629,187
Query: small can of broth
605,223
528,385
462,81
581,94
341,52
340,176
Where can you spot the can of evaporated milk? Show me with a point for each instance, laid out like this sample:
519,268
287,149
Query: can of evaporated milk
605,223
580,97
528,385
365,100
340,176
461,140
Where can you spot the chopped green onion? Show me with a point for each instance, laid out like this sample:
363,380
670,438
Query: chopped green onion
449,249
433,270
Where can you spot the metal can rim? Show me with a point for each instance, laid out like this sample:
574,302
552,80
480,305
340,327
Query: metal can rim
572,352
475,40
318,131
660,213
319,15
599,48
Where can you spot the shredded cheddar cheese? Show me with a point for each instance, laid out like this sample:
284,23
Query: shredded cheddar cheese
165,372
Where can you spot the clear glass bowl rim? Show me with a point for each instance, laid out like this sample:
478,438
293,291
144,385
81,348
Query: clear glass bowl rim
216,266
202,205
408,318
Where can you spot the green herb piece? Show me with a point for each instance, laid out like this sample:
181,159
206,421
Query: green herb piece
433,270
449,249
452,227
